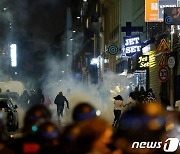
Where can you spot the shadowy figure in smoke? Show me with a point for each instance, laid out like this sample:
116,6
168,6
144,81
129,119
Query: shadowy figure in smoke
59,101
39,96
24,99
118,105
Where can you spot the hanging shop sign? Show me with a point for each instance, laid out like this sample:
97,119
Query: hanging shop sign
163,74
143,61
172,16
164,4
163,46
151,11
113,49
132,45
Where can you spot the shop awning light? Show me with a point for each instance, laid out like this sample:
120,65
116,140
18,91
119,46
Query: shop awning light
94,61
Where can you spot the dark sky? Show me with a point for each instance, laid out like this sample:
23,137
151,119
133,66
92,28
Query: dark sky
42,19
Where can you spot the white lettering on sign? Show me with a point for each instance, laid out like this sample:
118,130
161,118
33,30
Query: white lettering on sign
132,45
132,41
163,6
133,49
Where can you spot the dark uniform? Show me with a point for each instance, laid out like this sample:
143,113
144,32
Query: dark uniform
59,101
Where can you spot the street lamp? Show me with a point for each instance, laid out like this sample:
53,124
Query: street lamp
94,61
71,38
78,17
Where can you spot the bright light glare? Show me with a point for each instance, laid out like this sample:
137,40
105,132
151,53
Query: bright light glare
62,71
78,17
98,112
94,61
74,31
84,0
16,73
13,55
67,55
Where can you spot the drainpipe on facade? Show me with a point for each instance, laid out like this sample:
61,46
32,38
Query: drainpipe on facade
172,72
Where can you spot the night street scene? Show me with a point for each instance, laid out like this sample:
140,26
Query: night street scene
89,76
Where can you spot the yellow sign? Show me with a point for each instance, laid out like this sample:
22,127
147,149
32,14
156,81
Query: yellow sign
163,46
164,60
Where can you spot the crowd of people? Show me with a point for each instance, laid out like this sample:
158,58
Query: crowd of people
90,133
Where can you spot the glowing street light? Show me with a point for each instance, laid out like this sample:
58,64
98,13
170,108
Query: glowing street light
78,17
98,112
13,55
67,55
74,31
71,39
62,71
94,61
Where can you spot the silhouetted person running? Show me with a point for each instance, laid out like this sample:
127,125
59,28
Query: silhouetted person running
59,101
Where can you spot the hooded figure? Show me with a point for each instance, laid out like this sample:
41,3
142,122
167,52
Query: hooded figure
118,104
59,101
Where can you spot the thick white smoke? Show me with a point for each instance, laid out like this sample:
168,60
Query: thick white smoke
57,79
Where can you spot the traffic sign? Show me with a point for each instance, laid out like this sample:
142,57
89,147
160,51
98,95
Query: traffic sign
164,60
171,62
163,46
163,74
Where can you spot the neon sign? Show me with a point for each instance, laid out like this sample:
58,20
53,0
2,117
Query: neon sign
132,45
143,61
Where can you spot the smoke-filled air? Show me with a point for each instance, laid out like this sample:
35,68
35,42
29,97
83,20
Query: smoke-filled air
57,79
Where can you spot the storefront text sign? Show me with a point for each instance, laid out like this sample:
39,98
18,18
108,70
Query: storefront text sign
143,61
132,45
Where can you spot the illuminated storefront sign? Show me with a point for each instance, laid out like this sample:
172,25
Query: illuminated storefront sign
143,61
151,11
132,45
164,4
172,16
154,9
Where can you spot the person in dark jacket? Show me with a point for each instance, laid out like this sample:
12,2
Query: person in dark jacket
39,96
59,101
24,99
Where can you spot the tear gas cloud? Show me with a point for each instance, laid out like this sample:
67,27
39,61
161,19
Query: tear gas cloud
100,96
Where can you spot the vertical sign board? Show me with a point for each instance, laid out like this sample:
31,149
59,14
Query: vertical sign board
151,11
154,9
172,16
163,4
